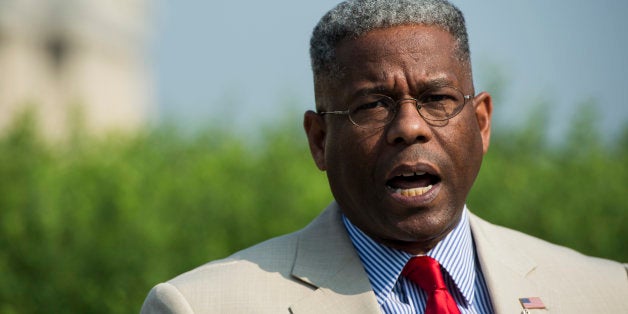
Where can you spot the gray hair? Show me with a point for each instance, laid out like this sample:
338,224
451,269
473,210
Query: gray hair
353,18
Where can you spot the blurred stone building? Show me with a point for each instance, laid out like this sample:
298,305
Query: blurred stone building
64,57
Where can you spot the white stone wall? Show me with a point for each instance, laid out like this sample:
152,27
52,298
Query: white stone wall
59,55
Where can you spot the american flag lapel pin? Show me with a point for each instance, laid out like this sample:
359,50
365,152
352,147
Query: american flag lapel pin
532,303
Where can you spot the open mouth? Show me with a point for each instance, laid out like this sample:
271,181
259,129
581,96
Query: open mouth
412,183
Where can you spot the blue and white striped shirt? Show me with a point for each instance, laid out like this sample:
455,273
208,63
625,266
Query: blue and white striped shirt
396,294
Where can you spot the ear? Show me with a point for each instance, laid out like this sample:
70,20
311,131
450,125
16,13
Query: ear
316,132
483,110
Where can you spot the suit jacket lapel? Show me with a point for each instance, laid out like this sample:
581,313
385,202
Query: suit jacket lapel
327,260
506,269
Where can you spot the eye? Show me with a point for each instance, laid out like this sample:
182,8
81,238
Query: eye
441,103
372,103
437,98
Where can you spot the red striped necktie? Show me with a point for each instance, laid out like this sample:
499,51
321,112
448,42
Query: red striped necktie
425,272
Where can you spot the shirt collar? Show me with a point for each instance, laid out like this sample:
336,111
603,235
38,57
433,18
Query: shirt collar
383,264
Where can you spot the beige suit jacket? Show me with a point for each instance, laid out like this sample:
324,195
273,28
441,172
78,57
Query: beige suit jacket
317,270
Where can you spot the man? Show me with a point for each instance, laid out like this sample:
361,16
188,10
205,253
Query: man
401,134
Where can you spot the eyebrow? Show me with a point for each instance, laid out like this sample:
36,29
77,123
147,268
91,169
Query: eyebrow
425,85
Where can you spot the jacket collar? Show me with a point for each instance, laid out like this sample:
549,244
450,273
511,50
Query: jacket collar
327,261
507,269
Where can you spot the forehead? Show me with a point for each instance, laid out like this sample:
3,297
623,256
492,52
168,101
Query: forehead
401,59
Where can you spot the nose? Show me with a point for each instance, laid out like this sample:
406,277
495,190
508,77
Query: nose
408,126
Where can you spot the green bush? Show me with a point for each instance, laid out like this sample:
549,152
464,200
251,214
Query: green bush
91,225
571,193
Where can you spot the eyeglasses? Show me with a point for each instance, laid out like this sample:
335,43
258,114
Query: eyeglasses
376,111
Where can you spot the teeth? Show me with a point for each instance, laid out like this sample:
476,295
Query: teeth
410,174
414,192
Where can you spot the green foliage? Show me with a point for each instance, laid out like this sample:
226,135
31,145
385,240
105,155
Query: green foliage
89,226
572,193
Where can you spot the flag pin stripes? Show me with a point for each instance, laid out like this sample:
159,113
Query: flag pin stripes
532,303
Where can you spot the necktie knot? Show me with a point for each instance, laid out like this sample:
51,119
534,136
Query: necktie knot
425,272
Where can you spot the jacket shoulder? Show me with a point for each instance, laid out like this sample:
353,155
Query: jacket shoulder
275,255
252,276
542,251
571,274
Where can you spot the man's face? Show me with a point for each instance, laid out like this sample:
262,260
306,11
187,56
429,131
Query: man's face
405,184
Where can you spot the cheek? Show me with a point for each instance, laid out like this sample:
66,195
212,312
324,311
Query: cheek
351,151
466,147
461,143
466,131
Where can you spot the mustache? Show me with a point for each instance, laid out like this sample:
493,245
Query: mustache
413,156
